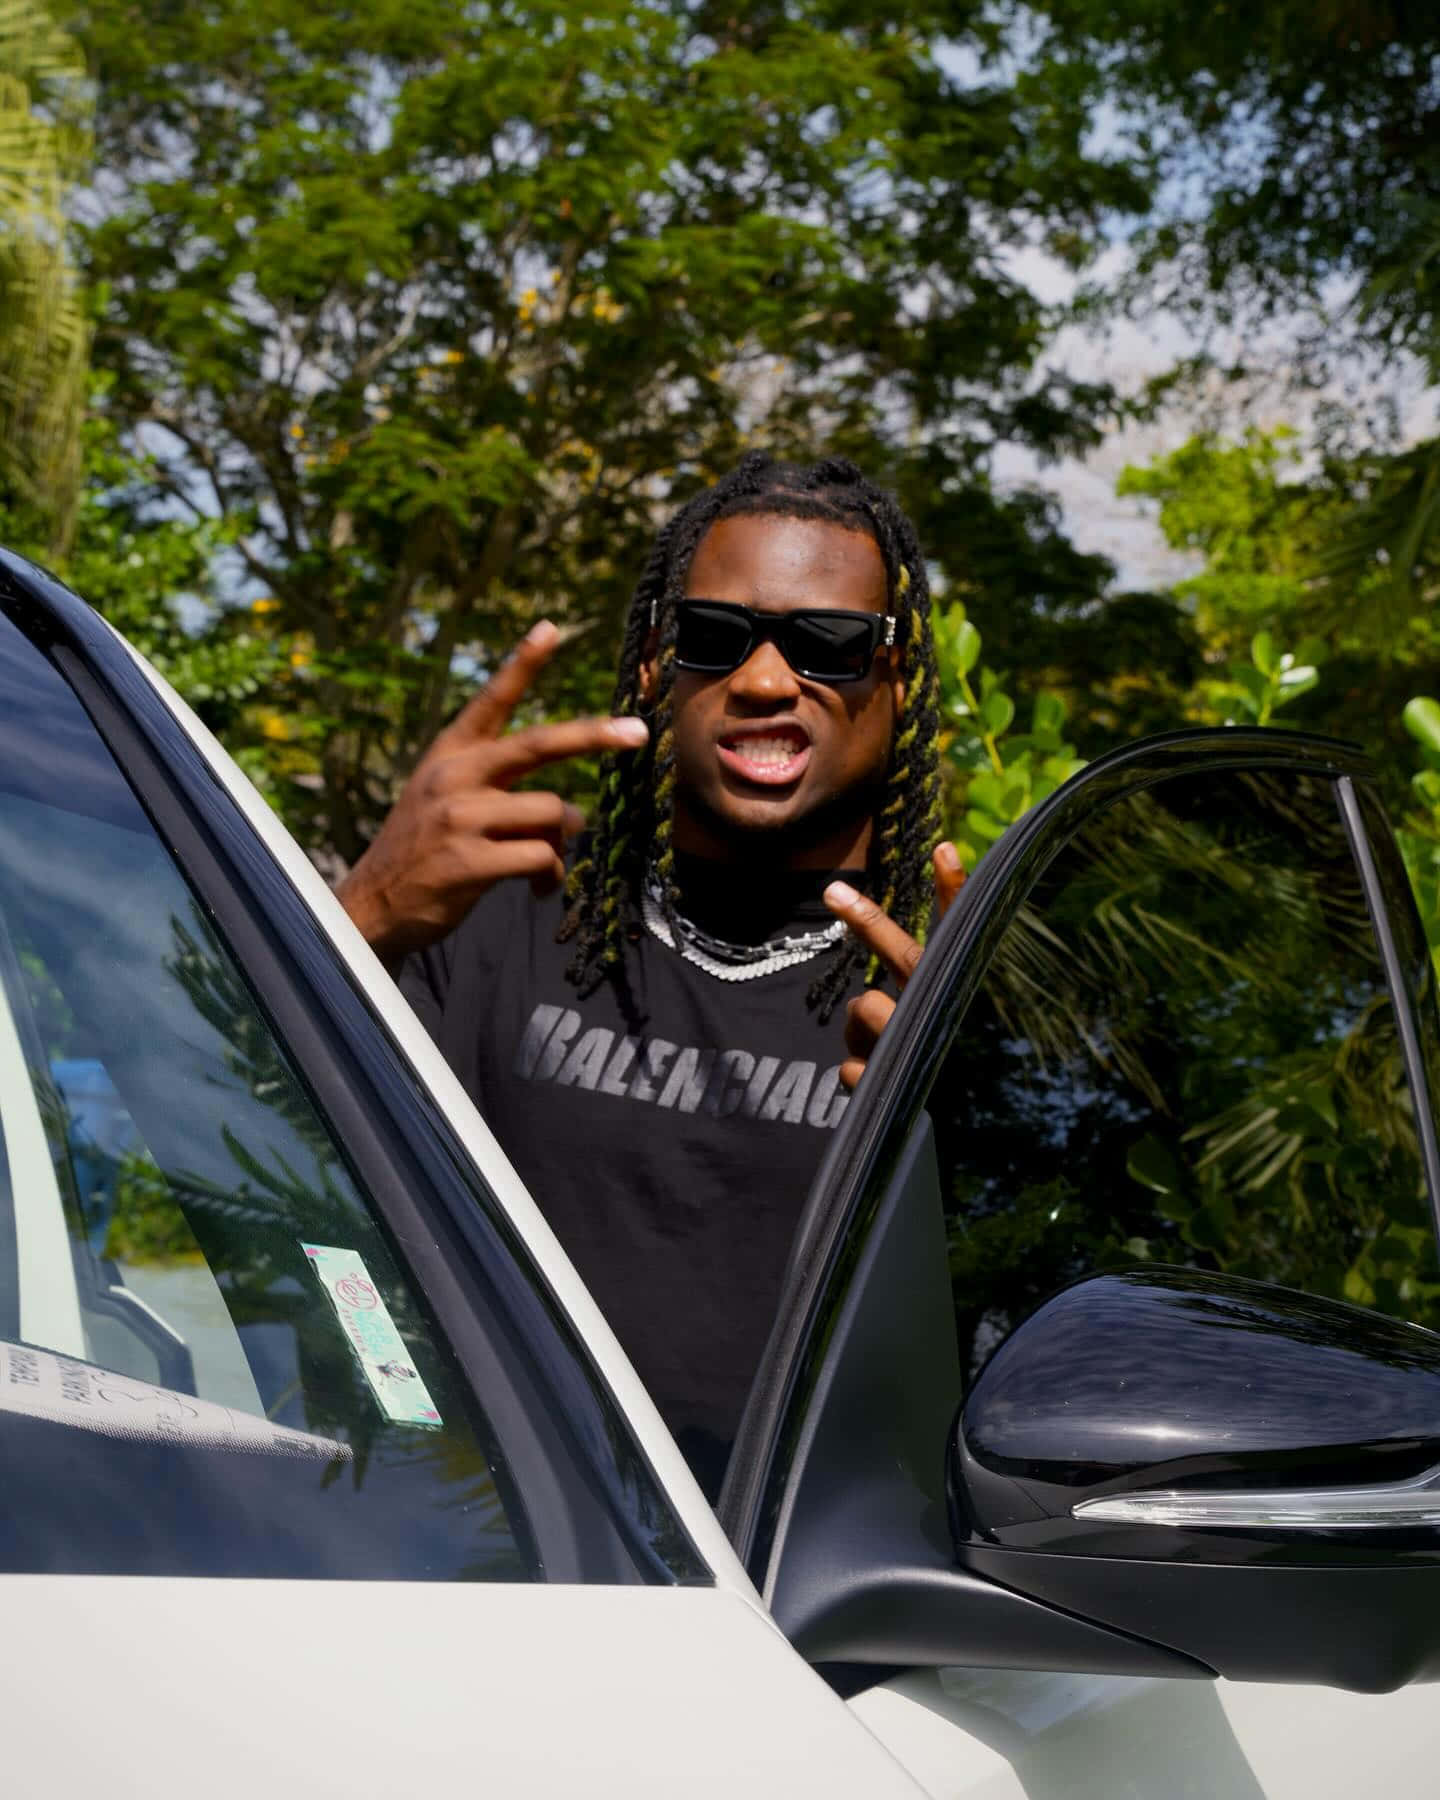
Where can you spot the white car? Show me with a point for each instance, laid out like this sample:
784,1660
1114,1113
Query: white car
1071,1469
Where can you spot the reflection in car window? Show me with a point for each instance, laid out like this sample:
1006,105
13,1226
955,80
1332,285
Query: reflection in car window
211,1361
1184,1053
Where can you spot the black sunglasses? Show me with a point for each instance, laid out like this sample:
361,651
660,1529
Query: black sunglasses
713,637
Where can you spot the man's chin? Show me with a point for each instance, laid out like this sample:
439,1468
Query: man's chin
779,826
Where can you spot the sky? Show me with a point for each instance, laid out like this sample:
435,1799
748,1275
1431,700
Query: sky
1130,353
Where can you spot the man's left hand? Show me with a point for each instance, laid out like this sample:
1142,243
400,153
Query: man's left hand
867,1016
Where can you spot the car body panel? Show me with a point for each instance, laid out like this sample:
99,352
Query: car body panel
1000,1734
159,1687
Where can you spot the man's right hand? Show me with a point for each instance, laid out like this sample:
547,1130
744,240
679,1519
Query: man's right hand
457,829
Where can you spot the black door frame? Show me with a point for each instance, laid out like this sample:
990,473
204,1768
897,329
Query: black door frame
886,1106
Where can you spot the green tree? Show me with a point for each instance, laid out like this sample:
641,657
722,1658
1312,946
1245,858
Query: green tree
43,107
1296,144
994,774
152,574
1263,515
435,306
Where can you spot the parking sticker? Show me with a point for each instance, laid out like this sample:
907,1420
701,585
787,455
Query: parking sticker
365,1320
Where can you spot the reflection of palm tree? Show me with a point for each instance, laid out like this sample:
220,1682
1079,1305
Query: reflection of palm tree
289,1185
214,987
1184,1050
252,1226
1146,890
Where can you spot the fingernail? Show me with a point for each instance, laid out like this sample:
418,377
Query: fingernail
949,855
840,893
541,635
629,731
574,821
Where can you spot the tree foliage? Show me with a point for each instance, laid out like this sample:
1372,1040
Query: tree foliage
152,574
43,139
1296,148
435,306
1298,144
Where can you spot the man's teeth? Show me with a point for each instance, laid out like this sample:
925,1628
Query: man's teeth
767,749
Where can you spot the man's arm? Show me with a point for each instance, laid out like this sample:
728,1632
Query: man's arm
457,828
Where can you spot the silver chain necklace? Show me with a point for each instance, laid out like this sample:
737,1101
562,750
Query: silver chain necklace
726,961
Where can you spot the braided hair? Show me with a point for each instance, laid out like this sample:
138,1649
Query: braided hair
637,796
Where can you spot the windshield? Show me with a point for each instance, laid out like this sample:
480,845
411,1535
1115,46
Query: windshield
211,1360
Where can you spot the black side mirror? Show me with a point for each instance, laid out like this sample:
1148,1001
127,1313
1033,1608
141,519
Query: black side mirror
1247,1475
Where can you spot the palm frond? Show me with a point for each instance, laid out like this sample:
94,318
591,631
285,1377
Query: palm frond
44,107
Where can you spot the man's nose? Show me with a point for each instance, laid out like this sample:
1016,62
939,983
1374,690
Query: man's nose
765,677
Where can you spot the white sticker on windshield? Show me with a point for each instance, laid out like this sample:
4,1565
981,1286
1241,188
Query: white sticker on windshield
68,1392
363,1317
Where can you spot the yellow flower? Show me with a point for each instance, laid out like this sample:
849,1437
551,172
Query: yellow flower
297,430
266,604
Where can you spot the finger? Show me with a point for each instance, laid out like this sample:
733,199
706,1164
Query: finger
497,859
851,1070
865,1018
557,830
487,715
494,813
949,877
894,946
524,751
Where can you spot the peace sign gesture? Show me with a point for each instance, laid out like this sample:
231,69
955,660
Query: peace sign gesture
457,829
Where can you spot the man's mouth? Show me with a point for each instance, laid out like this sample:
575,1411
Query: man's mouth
771,755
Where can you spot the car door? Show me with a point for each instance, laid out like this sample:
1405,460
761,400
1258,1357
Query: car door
1183,1015
316,1466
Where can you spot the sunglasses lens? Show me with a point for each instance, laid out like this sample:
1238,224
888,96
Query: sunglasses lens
710,637
830,646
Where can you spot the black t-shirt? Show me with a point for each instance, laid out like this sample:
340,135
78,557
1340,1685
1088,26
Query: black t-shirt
668,1126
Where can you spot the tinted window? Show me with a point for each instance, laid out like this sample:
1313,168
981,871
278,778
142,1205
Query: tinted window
1184,1052
211,1358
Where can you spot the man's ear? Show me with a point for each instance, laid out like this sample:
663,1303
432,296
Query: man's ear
650,668
897,684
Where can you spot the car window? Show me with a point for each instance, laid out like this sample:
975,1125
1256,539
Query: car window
1184,1052
211,1358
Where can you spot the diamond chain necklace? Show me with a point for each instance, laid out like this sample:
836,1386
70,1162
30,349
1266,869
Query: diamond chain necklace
726,961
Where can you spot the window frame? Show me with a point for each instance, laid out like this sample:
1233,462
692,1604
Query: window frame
886,1108
598,1516
1409,972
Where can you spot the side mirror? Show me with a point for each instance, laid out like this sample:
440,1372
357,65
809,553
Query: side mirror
1246,1475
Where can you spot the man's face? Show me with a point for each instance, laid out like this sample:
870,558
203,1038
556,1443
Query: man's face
768,763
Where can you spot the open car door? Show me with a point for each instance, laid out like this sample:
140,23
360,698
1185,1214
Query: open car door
1094,1450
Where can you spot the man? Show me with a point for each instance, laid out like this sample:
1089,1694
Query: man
652,1036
